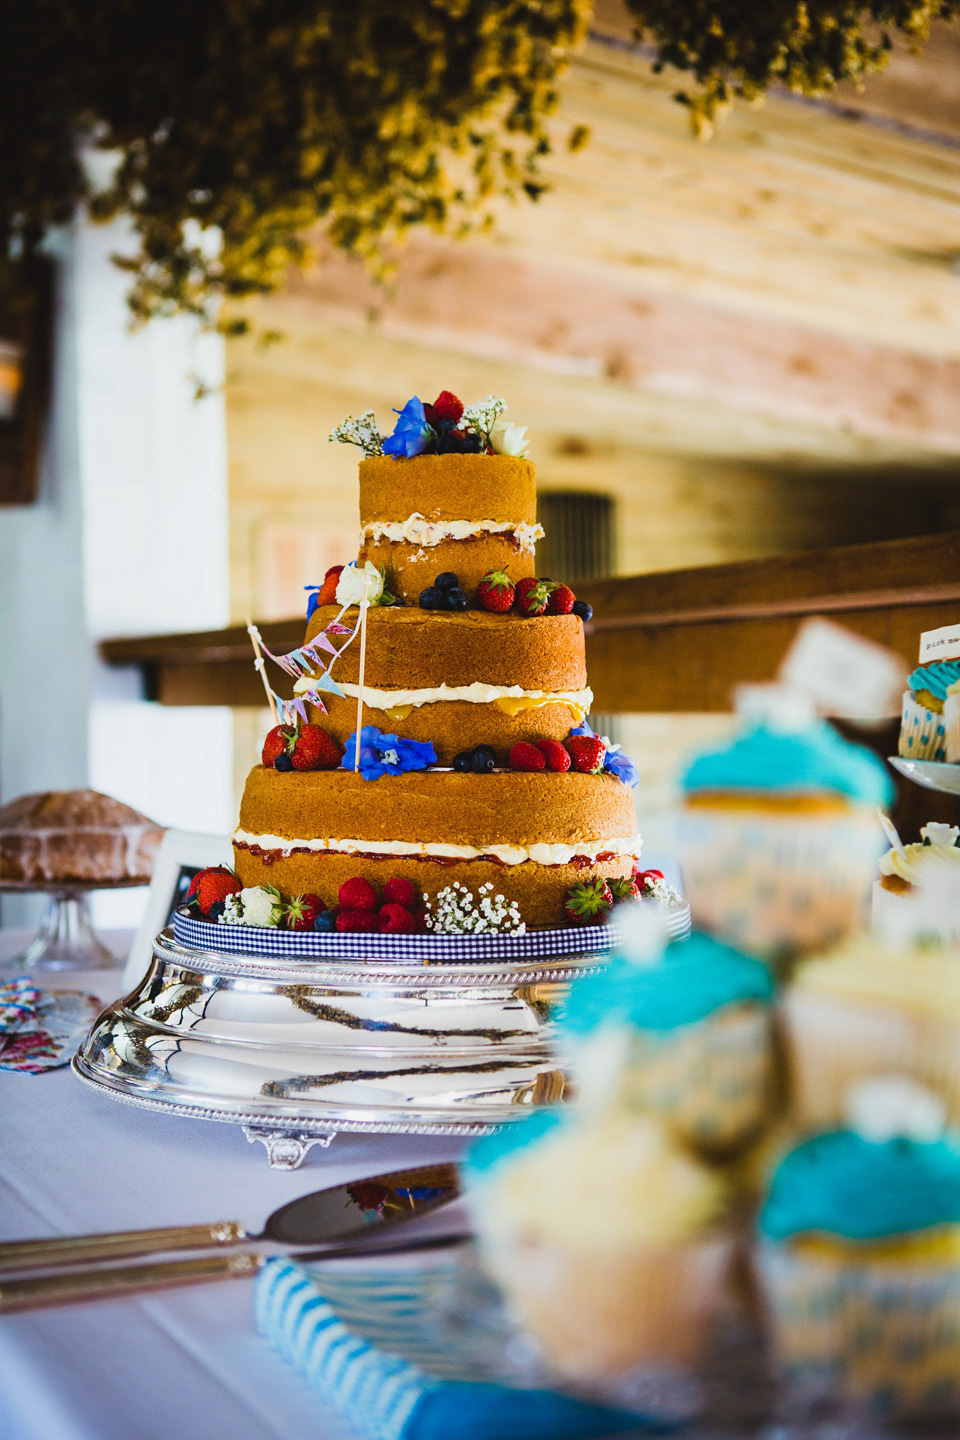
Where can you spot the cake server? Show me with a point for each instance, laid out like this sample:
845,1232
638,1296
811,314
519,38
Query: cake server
327,1217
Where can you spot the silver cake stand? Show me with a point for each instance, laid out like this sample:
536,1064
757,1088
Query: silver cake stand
932,774
65,939
298,1051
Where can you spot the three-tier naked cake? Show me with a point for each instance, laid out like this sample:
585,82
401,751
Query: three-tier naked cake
425,851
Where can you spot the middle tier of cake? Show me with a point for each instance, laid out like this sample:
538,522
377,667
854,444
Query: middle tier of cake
531,835
459,680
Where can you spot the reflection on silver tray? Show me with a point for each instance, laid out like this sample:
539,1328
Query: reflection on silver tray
308,1049
933,774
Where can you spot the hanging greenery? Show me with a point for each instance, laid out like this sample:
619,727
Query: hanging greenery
241,128
233,133
744,47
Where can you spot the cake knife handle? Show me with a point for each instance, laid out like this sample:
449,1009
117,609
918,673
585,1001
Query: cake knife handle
61,1289
16,1255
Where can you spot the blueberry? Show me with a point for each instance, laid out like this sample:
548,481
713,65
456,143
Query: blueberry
483,764
449,444
472,444
485,750
431,598
283,761
463,762
326,920
443,427
447,581
581,608
216,909
456,599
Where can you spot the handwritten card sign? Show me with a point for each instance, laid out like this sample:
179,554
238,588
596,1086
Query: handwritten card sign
942,644
842,673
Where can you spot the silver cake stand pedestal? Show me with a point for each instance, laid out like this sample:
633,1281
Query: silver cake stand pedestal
932,774
66,938
296,1052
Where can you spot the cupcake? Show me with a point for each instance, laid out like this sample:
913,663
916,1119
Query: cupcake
951,723
859,1259
778,836
925,875
870,1006
605,1237
922,725
693,1030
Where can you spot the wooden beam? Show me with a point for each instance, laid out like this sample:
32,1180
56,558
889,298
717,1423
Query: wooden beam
668,642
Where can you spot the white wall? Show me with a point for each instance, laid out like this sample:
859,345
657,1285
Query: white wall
129,536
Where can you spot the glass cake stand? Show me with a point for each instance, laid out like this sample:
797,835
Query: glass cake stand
933,774
65,939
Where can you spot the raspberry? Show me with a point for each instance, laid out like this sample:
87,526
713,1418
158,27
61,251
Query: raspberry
557,755
526,757
355,920
587,753
396,920
561,601
214,885
328,590
445,407
400,892
314,749
357,894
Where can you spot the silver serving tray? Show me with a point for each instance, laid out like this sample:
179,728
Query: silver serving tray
297,1052
933,774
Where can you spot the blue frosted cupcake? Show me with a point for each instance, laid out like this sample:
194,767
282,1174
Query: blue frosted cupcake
859,1262
693,1032
778,835
922,722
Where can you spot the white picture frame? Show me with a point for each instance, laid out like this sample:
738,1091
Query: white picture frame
182,853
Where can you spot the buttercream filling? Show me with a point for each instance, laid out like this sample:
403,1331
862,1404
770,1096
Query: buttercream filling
541,854
913,862
510,697
419,531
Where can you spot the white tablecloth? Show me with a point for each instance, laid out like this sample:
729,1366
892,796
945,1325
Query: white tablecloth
182,1363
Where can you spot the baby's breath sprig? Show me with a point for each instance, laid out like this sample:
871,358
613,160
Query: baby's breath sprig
455,911
362,432
483,415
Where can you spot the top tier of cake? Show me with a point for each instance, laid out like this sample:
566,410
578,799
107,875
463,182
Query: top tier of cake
467,513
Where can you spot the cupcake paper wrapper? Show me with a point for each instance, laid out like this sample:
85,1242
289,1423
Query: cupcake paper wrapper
833,1041
922,733
778,884
951,728
598,1314
711,1082
886,1335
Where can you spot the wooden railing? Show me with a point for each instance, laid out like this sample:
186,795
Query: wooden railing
669,642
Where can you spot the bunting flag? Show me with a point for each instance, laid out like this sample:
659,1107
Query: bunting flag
324,682
334,629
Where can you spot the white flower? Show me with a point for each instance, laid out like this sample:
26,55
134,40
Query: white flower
232,911
939,834
355,584
261,905
509,439
886,1107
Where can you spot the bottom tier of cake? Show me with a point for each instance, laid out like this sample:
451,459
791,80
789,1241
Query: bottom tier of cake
529,836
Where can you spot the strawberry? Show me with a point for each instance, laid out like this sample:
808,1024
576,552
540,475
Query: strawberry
328,590
561,601
194,884
526,757
589,902
275,743
358,894
495,592
643,877
300,912
532,596
445,407
587,753
396,920
214,885
354,920
314,749
400,892
556,755
624,890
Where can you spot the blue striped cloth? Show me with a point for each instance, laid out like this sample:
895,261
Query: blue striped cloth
376,1346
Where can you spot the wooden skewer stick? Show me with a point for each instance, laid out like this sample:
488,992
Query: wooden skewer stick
364,605
273,700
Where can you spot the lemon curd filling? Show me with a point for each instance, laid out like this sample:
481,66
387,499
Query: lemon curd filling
509,698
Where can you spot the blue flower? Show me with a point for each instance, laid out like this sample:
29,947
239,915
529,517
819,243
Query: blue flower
312,598
616,763
382,754
411,434
583,729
